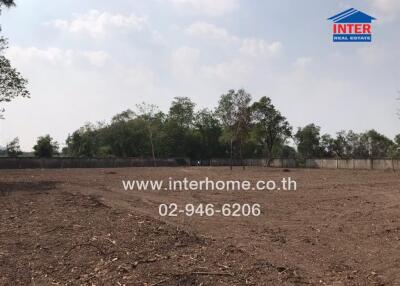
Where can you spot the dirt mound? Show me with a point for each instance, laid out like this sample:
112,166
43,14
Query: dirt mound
79,227
72,239
39,186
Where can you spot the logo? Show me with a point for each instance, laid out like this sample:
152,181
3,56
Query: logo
352,26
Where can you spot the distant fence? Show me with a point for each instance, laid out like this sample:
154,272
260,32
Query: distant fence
59,163
357,164
278,163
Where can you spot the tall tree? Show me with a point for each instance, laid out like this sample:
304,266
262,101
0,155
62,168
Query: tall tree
209,131
341,145
226,113
182,111
12,84
327,146
354,147
396,147
241,100
126,136
148,113
397,139
83,142
178,127
13,148
235,114
378,145
308,141
7,3
45,147
271,127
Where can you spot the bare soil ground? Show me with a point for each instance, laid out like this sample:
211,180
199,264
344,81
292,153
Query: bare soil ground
79,227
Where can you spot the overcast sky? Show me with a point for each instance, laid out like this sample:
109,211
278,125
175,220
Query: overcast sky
88,60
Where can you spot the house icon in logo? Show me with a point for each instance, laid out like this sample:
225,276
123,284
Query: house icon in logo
352,26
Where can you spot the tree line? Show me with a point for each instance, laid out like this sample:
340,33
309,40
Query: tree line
12,84
237,128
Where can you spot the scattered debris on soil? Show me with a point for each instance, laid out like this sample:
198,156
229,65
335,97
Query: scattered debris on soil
78,227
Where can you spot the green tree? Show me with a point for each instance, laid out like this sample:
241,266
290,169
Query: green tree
150,115
13,148
327,146
126,136
83,142
235,114
395,150
178,128
378,145
7,3
209,131
308,141
242,114
226,114
12,84
182,111
45,147
341,145
355,147
287,152
397,139
271,127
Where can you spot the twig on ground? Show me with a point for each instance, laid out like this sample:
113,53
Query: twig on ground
84,244
212,273
195,273
160,282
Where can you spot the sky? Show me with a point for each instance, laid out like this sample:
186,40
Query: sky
89,60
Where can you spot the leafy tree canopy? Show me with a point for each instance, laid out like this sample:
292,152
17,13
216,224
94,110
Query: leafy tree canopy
13,149
12,84
45,147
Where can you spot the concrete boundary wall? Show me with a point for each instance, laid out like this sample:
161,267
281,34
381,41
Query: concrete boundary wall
277,163
356,164
59,163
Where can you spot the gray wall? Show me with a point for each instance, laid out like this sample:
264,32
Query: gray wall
358,164
55,163
278,163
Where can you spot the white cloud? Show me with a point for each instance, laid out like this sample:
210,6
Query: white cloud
302,62
96,58
208,7
236,70
71,87
248,59
189,68
57,57
99,24
370,55
210,31
184,61
259,47
390,9
387,6
251,47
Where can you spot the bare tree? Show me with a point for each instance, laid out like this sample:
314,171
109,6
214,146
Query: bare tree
148,113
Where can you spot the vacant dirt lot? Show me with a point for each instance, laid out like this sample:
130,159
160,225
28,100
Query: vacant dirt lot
79,227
